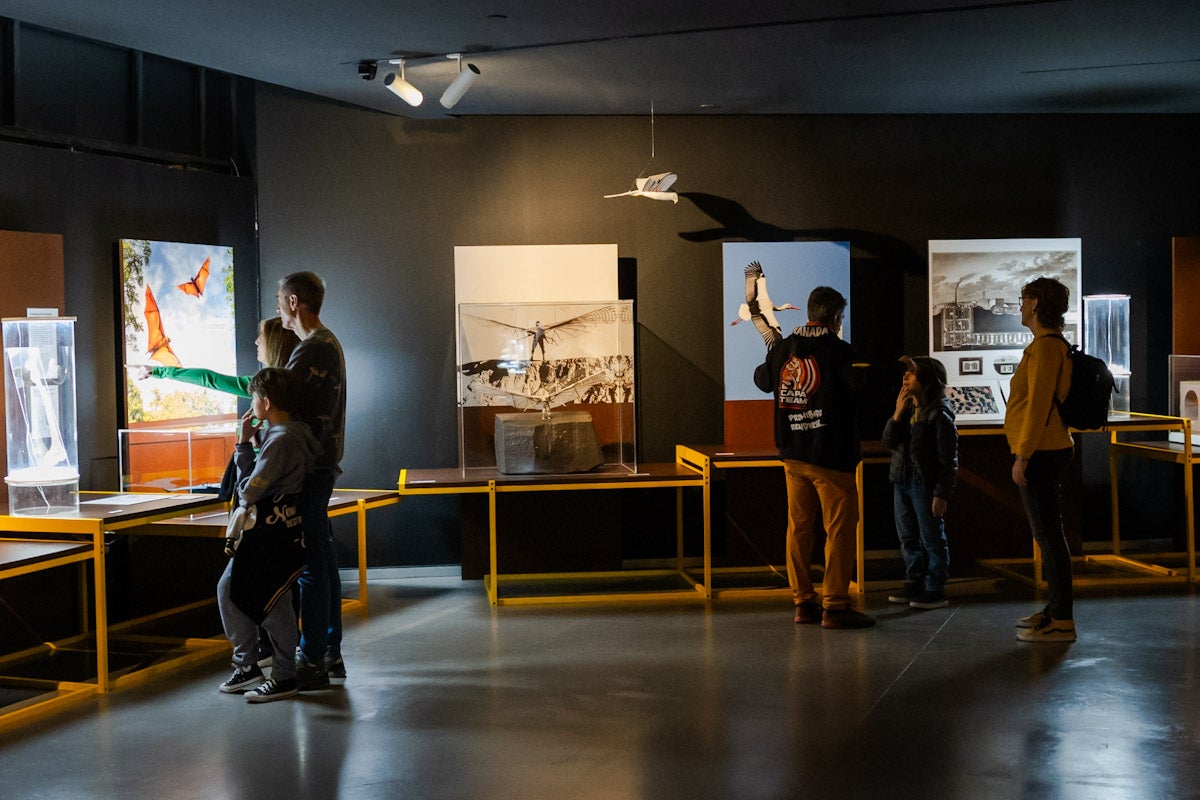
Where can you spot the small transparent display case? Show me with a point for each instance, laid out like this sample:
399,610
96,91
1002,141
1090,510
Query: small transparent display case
40,415
537,376
1106,336
175,459
1184,380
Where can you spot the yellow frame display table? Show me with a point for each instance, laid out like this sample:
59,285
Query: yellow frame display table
493,483
706,458
1117,426
25,557
94,519
211,524
1185,454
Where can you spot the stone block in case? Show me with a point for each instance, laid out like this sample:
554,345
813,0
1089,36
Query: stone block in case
537,444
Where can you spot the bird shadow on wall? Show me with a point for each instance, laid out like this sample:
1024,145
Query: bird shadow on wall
737,223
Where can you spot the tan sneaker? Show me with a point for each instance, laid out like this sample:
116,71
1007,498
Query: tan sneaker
1051,630
1032,621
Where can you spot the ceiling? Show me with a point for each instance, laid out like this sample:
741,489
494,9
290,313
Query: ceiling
685,56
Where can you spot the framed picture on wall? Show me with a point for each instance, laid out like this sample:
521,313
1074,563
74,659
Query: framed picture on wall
541,329
970,366
793,270
753,315
975,286
1183,375
544,355
177,312
976,402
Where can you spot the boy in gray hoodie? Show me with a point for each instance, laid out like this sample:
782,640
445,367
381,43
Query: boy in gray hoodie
265,539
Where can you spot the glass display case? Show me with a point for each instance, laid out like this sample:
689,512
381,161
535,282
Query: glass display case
175,459
1106,336
1184,382
40,415
534,376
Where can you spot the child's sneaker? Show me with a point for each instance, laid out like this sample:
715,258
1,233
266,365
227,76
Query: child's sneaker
929,600
335,667
272,690
242,679
908,593
1032,621
309,675
1050,630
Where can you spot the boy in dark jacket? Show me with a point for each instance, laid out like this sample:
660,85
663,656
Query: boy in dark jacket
265,538
813,378
924,445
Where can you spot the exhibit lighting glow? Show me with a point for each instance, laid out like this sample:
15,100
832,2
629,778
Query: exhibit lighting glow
402,88
456,90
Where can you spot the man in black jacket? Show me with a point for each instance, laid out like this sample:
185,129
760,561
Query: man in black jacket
812,376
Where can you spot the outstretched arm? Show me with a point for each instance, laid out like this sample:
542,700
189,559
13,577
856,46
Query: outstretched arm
229,384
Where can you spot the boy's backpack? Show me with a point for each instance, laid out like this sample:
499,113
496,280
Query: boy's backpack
1089,398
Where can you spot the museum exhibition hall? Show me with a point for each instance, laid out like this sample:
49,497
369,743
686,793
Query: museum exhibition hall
561,247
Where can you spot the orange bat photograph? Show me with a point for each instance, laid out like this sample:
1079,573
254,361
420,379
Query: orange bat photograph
178,318
158,346
195,286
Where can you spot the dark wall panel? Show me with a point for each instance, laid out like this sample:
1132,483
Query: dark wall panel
219,114
46,93
376,204
73,87
171,120
93,201
59,89
101,88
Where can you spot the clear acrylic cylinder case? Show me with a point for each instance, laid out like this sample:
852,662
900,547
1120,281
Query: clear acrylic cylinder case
1106,336
40,415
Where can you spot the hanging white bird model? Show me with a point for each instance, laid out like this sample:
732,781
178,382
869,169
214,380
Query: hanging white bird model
654,187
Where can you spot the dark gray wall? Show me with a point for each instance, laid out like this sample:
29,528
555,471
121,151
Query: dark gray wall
376,204
93,201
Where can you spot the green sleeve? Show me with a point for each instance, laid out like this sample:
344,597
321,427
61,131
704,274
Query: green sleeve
229,384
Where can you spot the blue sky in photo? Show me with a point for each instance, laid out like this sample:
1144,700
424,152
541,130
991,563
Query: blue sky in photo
792,270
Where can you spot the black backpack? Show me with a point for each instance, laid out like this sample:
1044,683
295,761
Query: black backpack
1089,398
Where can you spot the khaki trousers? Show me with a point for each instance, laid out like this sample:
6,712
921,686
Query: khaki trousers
833,494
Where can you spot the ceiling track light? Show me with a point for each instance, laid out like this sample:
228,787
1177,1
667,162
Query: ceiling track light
402,88
458,88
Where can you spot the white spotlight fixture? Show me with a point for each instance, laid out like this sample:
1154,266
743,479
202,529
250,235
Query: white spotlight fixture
463,82
402,88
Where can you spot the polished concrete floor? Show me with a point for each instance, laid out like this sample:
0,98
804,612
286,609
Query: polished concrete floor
448,698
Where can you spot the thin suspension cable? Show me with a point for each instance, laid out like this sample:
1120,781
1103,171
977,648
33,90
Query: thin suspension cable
651,130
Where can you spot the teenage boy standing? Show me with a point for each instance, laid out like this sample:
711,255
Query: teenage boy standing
264,538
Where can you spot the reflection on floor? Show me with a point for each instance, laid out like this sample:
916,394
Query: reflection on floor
448,698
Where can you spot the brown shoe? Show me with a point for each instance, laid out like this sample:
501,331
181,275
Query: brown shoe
846,618
808,613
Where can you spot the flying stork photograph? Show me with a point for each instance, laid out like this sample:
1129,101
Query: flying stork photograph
765,290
